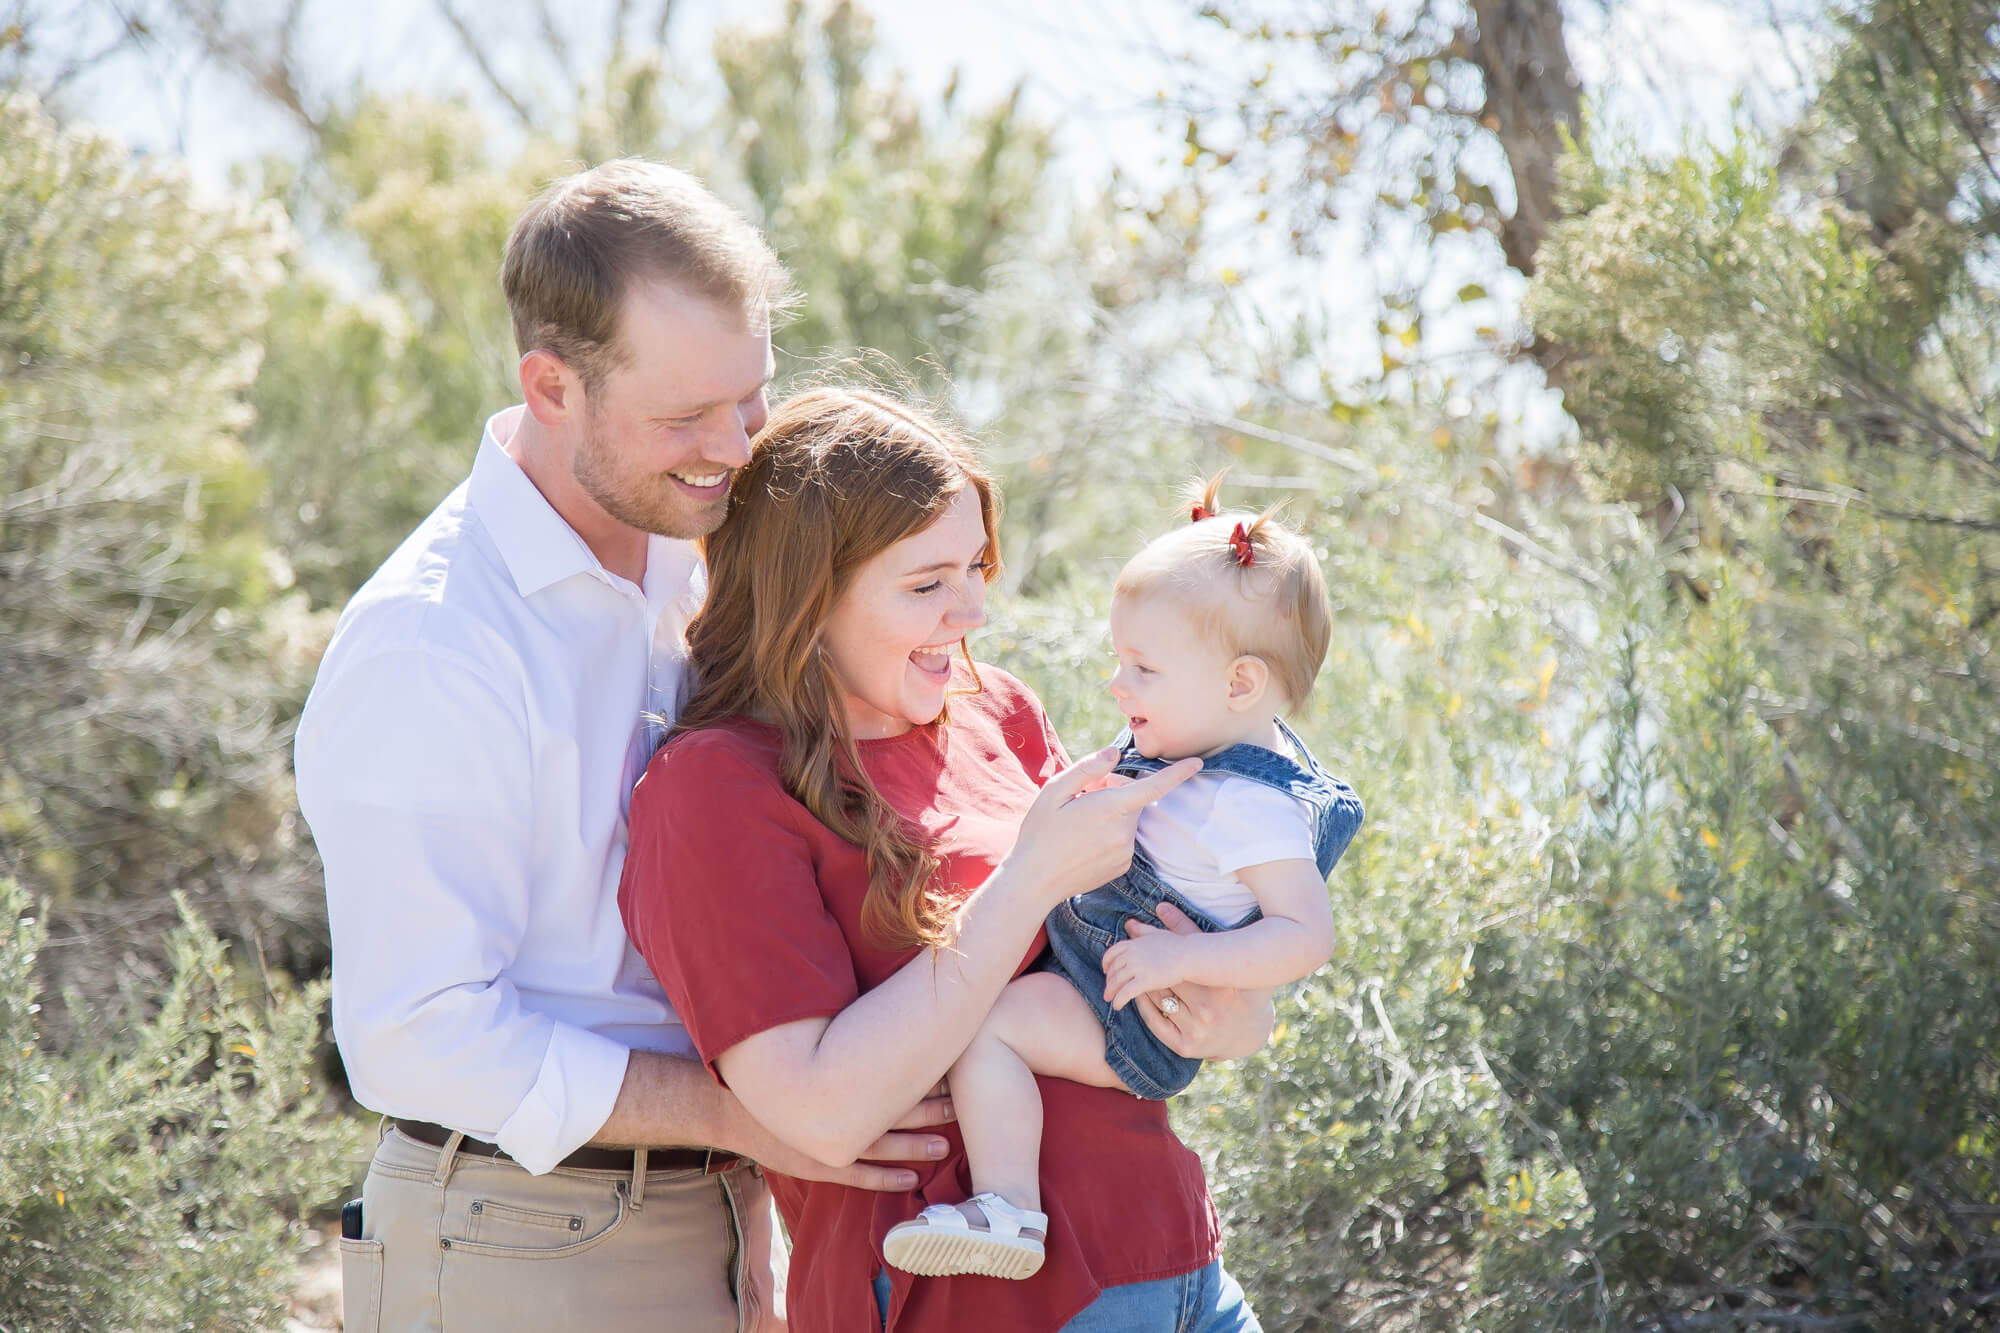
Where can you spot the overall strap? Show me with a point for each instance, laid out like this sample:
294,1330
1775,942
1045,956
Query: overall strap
1336,810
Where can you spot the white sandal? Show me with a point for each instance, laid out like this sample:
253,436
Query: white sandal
939,1241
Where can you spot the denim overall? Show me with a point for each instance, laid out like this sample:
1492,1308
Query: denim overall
1082,928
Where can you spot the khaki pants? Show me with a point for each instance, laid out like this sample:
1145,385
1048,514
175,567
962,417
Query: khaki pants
460,1244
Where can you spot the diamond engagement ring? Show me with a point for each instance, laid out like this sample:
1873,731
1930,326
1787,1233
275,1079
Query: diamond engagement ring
1169,1005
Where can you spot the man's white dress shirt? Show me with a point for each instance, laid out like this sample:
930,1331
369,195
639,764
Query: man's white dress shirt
466,761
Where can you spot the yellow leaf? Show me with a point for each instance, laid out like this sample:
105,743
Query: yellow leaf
1230,277
62,1200
1548,674
244,1048
1739,863
1278,1032
1708,836
1453,704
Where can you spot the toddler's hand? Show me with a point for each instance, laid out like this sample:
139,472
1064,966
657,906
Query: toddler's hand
1148,963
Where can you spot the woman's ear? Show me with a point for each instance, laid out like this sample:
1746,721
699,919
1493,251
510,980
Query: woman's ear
1249,682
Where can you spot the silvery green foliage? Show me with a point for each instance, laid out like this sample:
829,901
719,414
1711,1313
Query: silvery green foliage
154,1176
152,645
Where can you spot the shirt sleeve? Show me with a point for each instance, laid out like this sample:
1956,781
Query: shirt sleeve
721,897
414,773
1251,823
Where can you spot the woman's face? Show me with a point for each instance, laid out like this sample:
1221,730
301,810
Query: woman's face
892,633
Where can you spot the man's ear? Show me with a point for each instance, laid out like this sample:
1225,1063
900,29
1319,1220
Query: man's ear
1249,682
550,388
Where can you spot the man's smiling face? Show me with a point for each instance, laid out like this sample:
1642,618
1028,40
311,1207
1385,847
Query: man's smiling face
669,425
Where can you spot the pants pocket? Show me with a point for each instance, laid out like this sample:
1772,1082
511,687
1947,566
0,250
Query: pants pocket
360,1285
505,1232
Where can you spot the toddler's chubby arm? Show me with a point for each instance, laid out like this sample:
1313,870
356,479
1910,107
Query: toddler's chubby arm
1294,937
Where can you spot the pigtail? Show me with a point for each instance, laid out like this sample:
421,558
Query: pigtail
1204,497
1205,502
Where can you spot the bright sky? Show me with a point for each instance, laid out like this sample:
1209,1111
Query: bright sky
1658,69
1094,68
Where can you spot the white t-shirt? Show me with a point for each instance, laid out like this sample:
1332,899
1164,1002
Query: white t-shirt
1214,824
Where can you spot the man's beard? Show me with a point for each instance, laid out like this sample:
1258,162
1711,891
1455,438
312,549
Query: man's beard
650,503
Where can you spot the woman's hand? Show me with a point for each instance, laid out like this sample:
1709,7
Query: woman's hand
1078,833
1207,1022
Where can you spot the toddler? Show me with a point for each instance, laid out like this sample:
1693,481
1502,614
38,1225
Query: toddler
1219,627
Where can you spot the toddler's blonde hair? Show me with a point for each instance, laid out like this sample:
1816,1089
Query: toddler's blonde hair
1274,609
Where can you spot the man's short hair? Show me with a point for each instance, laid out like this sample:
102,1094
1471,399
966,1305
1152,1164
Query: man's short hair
577,249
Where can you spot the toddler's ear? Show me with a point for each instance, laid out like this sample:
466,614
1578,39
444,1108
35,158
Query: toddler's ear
1249,682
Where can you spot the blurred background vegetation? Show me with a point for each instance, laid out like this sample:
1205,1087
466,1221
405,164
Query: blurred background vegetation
1667,992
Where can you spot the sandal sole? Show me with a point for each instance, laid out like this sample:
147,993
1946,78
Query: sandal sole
936,1253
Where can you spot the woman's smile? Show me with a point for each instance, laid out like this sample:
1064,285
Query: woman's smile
891,637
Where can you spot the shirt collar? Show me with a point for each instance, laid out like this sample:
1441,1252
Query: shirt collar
540,548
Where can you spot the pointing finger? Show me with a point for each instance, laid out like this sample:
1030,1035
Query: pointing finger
1142,792
1081,774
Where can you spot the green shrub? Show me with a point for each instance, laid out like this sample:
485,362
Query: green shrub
156,1175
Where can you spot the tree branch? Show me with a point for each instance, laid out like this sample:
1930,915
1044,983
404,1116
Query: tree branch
477,51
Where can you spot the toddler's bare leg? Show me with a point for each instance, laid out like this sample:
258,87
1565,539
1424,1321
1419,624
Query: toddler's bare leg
1039,1026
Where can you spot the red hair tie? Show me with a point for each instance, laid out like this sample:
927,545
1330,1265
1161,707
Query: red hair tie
1200,513
1239,542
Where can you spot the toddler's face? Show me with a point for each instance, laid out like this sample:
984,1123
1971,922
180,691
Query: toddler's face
1172,683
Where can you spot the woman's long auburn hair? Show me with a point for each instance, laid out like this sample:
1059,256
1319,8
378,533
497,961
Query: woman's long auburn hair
836,477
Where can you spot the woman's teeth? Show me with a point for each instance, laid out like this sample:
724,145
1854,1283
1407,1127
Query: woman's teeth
933,661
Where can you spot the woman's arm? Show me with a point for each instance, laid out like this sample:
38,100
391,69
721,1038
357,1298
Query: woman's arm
830,1087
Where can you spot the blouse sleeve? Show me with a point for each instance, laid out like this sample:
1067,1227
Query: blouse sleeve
721,898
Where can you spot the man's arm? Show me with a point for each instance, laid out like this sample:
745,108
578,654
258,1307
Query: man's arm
414,773
666,1100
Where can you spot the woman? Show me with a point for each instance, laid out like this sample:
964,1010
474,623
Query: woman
826,877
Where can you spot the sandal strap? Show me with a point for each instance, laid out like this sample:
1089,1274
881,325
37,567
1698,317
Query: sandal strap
1003,1218
944,1217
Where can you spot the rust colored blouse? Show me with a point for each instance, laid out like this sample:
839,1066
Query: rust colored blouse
748,910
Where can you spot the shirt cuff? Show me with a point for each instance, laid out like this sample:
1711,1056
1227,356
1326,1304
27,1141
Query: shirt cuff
571,1099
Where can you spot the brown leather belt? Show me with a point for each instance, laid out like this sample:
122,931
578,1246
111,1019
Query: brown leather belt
708,1161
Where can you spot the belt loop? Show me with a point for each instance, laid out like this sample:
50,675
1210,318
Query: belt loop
447,1156
638,1179
382,1127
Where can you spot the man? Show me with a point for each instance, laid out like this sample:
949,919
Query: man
465,762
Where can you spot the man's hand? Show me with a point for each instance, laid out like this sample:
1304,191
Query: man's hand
1153,961
752,1140
1208,1022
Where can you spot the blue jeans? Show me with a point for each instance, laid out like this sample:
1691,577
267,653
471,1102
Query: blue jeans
1204,1301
